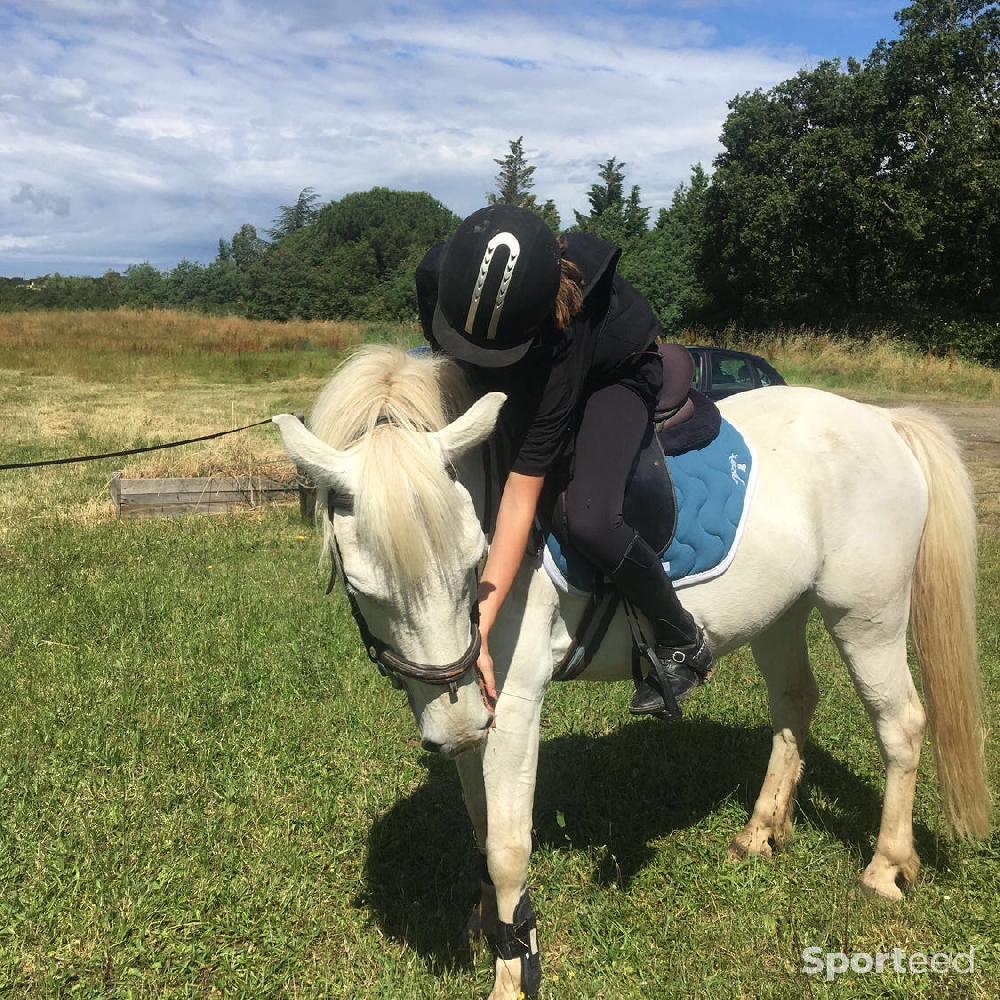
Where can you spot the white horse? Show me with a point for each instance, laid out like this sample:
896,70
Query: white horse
863,513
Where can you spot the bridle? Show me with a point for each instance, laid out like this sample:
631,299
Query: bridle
390,664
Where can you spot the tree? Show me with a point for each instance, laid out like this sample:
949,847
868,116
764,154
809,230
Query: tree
145,286
634,216
663,262
514,183
612,217
217,288
292,218
398,226
356,261
867,193
607,196
515,179
942,93
550,215
305,278
247,247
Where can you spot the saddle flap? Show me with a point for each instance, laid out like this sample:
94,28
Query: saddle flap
649,504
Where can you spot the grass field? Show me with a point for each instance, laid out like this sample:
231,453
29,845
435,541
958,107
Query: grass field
206,790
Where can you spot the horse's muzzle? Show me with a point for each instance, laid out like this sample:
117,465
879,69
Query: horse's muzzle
458,748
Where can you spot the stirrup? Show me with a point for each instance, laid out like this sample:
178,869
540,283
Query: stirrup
689,666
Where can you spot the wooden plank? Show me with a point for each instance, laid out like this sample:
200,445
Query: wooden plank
203,495
129,510
218,496
307,501
198,485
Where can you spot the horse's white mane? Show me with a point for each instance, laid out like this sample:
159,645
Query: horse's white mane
379,404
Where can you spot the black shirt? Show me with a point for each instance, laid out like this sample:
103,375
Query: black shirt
611,340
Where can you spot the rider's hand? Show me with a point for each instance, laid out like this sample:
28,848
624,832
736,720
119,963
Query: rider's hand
487,682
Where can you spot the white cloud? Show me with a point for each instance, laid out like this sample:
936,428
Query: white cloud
8,243
168,125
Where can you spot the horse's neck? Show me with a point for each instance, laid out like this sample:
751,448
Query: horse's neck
477,472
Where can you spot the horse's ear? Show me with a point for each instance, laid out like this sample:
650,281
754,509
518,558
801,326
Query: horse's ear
325,466
472,428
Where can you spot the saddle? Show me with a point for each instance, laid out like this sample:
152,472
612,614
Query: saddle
684,420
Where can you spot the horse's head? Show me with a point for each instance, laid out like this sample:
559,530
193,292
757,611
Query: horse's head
406,533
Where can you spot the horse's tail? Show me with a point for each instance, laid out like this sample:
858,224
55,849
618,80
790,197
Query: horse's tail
943,616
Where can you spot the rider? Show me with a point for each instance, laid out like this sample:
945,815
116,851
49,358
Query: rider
549,322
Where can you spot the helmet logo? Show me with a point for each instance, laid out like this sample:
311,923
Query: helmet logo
508,240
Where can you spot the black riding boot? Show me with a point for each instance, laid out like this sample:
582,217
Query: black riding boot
685,660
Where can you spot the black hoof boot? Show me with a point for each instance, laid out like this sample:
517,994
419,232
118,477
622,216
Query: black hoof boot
681,669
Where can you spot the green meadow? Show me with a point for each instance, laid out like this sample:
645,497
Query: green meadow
206,790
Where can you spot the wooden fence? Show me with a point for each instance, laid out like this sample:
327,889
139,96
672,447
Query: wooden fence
215,495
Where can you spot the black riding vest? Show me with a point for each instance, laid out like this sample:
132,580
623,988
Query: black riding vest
611,340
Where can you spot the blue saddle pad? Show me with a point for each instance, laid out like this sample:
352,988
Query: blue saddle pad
713,487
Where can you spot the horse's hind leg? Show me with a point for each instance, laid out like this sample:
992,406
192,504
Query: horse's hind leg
783,657
873,644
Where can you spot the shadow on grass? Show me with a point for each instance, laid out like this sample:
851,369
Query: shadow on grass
616,794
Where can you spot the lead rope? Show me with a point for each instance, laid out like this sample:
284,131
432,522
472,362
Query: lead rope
129,451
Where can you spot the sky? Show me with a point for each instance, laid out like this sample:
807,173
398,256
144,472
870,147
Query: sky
135,130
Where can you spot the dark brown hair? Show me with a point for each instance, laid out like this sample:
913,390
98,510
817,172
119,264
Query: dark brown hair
569,299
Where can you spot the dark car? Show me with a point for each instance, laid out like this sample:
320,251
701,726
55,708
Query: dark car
719,373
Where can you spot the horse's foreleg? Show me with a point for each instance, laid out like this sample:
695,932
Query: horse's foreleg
782,654
483,919
510,760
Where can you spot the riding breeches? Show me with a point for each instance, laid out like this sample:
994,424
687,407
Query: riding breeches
616,422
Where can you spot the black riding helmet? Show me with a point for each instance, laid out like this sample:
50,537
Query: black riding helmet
499,281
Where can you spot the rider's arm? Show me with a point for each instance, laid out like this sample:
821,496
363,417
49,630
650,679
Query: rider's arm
510,540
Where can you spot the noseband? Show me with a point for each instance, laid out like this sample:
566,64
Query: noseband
391,664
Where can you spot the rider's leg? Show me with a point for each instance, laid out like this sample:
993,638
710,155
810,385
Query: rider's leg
679,644
615,423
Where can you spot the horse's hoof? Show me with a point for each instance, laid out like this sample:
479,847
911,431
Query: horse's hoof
758,842
885,879
881,887
738,851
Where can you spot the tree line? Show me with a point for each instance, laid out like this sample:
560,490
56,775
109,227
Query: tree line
851,196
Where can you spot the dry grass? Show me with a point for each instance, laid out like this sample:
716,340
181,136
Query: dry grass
171,345
166,333
129,346
84,382
879,365
80,382
54,416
